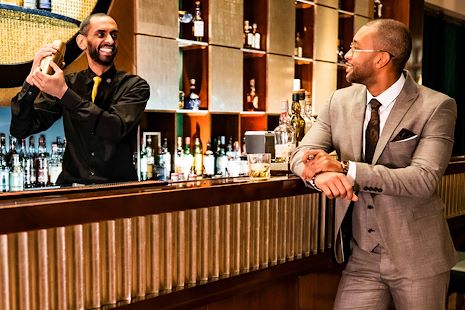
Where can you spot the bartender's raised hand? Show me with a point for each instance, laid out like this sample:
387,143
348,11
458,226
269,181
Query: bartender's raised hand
54,84
336,185
317,161
47,50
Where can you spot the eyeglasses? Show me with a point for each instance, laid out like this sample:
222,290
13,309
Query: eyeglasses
353,50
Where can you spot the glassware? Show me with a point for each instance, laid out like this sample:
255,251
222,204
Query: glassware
259,166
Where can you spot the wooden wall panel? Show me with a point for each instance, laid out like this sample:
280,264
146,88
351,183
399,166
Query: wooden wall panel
157,63
226,22
155,17
225,79
281,27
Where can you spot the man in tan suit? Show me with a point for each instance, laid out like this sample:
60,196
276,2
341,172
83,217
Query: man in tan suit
394,139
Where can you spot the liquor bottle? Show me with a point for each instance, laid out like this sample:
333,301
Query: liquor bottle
297,120
198,28
45,5
256,37
378,9
11,151
340,51
248,37
221,159
30,4
178,158
188,159
193,101
284,135
143,162
150,158
23,153
55,164
4,169
165,161
308,113
299,45
198,158
30,172
16,175
252,98
41,163
209,162
3,150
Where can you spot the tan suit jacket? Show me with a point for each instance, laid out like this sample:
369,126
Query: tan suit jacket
401,184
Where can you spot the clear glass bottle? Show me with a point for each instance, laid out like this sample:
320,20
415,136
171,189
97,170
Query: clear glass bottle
247,38
209,162
299,45
199,25
41,163
30,4
193,101
256,37
198,157
150,158
55,164
16,175
178,159
30,172
308,113
45,5
252,98
284,135
340,51
143,162
297,120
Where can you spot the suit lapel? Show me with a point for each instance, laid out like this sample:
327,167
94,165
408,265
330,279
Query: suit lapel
402,104
357,116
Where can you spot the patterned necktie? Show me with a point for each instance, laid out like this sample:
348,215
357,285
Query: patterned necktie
97,81
372,131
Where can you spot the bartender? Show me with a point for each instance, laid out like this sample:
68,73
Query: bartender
101,107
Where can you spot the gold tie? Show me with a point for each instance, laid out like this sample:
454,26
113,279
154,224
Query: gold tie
97,81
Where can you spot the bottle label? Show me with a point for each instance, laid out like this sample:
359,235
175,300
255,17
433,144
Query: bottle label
281,151
198,29
16,181
209,165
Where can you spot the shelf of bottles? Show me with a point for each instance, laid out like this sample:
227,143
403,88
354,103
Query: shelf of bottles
23,166
345,34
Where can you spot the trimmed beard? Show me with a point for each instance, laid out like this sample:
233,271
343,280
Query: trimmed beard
93,52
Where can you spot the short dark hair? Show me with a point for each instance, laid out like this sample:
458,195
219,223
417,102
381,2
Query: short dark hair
393,37
84,26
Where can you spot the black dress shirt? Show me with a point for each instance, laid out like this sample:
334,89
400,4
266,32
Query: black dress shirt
100,137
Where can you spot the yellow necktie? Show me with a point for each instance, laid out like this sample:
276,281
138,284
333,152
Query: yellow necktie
97,81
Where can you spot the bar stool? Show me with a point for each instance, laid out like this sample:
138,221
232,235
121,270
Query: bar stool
457,282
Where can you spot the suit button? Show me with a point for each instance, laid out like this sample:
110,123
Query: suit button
365,188
370,207
371,230
380,190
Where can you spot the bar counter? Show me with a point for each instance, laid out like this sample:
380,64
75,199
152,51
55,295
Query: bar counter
173,245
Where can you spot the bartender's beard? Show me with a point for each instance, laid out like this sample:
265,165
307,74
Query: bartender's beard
102,60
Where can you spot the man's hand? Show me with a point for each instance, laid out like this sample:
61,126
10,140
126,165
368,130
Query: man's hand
53,85
47,50
335,185
317,161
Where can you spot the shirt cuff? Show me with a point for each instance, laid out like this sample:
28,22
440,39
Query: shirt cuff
352,172
29,92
